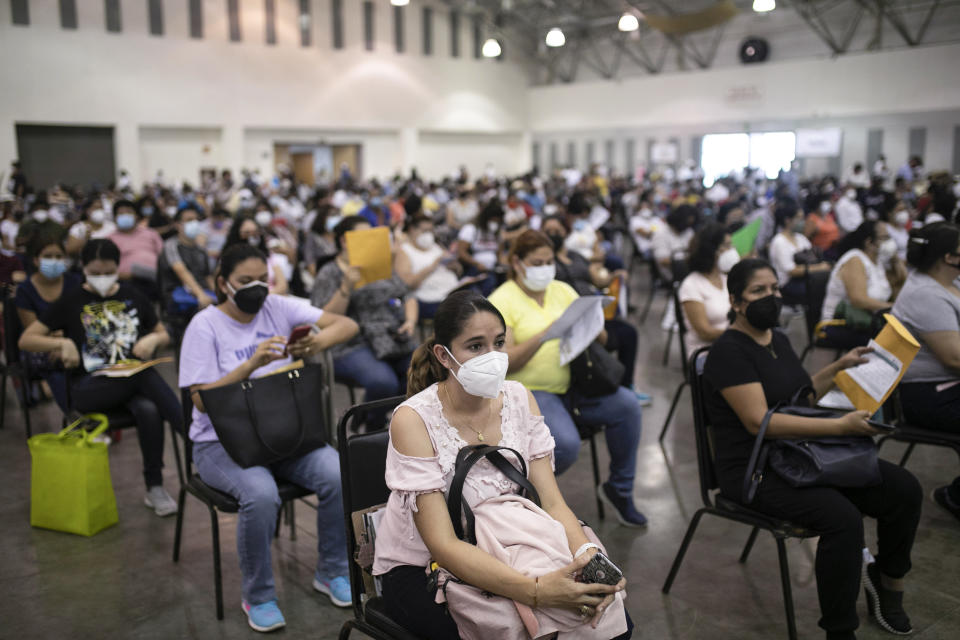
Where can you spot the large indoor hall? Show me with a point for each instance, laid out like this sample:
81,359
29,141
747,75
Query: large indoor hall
470,319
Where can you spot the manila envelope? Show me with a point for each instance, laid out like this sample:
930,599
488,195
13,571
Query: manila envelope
896,339
369,249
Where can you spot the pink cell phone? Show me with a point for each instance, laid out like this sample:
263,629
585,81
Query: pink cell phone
298,333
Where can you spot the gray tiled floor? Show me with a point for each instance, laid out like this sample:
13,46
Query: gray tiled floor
122,584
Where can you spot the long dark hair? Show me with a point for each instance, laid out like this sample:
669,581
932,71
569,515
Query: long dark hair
452,316
930,243
233,236
857,239
704,246
739,277
229,259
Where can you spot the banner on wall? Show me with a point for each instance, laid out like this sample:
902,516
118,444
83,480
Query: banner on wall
664,153
818,143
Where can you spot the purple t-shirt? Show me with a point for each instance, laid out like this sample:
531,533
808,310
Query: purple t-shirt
215,344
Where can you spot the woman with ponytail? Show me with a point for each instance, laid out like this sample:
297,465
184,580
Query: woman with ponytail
929,305
457,396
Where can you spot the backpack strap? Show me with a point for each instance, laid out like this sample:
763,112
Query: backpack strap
466,458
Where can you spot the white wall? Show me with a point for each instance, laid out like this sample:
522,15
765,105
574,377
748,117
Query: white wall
893,91
133,80
179,152
441,153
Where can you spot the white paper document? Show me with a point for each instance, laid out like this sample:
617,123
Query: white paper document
836,399
579,325
598,217
879,374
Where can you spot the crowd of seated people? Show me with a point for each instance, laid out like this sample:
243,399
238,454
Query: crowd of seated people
241,260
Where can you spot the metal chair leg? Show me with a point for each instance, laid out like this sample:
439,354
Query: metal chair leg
906,454
787,591
747,547
673,408
345,630
217,577
3,396
25,404
683,549
806,352
178,532
292,519
648,304
596,474
666,349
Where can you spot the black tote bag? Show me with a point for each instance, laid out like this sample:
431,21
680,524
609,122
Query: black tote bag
265,420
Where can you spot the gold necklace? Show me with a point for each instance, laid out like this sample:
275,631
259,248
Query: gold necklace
450,401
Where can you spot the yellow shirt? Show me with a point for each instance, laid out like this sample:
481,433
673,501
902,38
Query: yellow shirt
526,318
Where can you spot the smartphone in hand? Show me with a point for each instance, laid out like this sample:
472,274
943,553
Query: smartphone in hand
298,333
600,570
880,426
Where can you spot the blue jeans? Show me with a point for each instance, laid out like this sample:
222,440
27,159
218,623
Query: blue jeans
379,378
621,414
255,488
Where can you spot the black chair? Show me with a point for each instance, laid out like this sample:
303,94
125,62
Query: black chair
362,464
912,436
216,500
679,270
590,433
117,419
716,504
682,339
13,367
816,285
658,282
176,323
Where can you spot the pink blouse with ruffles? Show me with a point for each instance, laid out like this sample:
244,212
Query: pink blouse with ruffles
398,541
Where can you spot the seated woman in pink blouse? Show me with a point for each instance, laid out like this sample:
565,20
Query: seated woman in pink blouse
450,407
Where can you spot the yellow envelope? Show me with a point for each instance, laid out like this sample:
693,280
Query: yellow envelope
897,342
369,249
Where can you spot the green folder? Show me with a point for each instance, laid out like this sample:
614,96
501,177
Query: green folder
744,239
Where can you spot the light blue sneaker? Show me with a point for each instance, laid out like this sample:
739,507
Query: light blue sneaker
264,617
337,589
645,399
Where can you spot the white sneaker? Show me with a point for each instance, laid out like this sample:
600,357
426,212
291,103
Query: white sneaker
160,501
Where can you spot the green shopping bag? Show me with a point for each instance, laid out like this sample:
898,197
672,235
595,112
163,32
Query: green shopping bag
70,486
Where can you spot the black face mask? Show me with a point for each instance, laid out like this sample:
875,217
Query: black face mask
765,312
250,298
557,241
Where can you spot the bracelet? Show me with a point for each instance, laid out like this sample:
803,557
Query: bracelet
586,546
536,592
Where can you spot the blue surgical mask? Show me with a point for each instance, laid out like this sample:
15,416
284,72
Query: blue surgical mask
333,221
191,228
146,210
126,221
52,268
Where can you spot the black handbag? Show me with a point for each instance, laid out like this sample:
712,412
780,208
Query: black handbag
827,461
595,372
265,420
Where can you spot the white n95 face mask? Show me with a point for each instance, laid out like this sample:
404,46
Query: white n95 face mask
102,284
484,375
539,278
727,260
